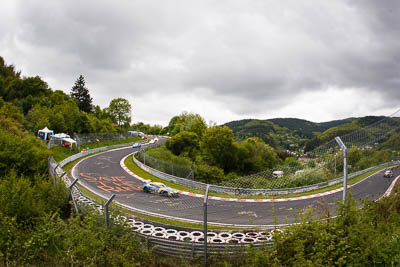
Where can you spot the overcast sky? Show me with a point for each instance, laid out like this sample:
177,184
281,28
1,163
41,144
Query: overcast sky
225,60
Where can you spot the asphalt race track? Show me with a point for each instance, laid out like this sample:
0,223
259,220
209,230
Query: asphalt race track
103,174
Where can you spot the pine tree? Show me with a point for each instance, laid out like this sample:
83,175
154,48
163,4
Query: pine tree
81,95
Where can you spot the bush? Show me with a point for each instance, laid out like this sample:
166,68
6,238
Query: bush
208,174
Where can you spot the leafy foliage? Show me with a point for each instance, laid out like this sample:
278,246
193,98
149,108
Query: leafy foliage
366,237
186,122
120,111
184,143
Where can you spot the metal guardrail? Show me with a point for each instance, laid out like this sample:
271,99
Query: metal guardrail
192,249
96,150
252,192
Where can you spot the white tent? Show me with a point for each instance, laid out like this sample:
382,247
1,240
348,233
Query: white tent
61,135
45,133
68,142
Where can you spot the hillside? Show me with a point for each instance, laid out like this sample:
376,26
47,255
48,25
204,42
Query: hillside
288,133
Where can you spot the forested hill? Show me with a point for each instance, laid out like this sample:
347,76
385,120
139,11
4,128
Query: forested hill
293,134
282,132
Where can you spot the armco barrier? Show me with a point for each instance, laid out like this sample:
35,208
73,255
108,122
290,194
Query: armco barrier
190,249
252,192
96,150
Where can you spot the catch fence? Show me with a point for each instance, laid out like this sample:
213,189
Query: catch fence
322,165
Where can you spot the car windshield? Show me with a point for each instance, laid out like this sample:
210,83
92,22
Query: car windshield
159,185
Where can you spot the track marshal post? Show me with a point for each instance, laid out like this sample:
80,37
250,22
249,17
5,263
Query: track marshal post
344,149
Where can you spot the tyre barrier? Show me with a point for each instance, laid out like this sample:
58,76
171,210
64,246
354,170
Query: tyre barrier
225,235
173,237
159,229
252,234
148,227
211,235
196,234
159,234
185,236
136,228
238,235
198,237
217,240
171,231
248,240
146,232
233,241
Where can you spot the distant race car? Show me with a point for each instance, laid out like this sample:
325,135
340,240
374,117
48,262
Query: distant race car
388,174
162,189
136,145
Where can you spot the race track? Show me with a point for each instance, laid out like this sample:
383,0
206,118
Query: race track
103,175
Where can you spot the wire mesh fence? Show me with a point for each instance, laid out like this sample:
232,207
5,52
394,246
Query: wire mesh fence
322,164
101,137
178,170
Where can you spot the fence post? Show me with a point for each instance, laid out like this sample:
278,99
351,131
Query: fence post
344,149
78,141
205,225
55,176
106,210
335,164
70,194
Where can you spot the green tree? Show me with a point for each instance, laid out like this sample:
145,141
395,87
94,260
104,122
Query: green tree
8,70
120,111
11,111
187,122
37,118
81,95
218,148
255,156
186,143
20,151
208,174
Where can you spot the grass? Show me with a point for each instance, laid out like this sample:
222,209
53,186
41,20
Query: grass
160,220
137,170
60,153
110,143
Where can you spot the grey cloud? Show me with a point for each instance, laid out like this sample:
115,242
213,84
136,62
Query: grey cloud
252,56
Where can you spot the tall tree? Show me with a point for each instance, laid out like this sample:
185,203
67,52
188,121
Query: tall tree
218,148
120,111
81,95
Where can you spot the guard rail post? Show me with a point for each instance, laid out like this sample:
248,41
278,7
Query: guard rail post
106,210
205,225
71,195
60,178
344,149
